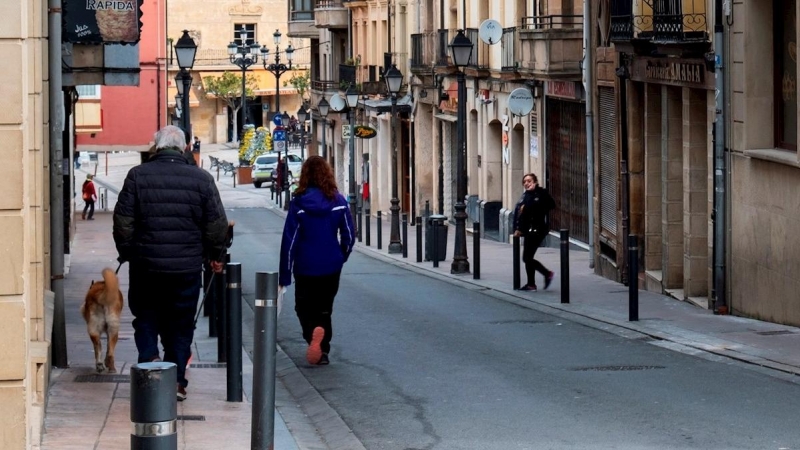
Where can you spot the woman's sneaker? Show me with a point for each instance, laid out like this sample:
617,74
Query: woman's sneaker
549,279
324,361
528,287
181,393
314,352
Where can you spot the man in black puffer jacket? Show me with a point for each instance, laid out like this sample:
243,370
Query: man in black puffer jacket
168,220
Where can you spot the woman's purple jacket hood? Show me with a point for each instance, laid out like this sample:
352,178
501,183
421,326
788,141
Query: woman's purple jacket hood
318,236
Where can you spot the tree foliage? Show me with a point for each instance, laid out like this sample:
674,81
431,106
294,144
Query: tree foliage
301,82
228,87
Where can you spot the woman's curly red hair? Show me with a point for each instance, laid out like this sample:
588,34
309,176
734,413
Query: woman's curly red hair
317,172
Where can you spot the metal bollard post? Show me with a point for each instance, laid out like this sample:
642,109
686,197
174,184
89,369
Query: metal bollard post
515,266
234,330
217,173
368,220
633,278
154,406
476,250
380,231
262,424
435,249
221,310
212,303
419,239
360,225
404,225
564,266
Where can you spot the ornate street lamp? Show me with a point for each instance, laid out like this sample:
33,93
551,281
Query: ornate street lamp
243,56
323,107
461,51
185,52
277,68
394,80
302,115
351,96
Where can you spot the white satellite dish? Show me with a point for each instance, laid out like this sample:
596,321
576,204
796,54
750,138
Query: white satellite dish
337,103
490,31
520,102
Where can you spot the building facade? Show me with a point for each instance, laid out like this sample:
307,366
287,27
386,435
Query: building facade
25,317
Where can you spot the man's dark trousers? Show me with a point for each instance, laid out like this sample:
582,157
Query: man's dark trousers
164,304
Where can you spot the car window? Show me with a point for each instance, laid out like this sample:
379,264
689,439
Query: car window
294,159
266,160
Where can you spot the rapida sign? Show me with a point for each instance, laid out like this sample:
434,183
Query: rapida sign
102,21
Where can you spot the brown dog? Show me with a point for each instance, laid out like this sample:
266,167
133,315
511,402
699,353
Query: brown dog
101,310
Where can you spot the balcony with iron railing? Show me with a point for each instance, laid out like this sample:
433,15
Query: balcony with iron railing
301,19
659,21
480,50
508,59
331,14
423,52
551,46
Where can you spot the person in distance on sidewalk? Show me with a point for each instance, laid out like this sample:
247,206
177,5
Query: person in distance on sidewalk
89,197
168,219
318,236
531,222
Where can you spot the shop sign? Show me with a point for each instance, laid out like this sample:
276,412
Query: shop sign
365,132
102,21
563,89
673,72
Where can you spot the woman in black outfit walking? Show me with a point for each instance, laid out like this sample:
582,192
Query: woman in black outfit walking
531,222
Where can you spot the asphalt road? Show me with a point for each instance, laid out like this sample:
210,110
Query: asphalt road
418,363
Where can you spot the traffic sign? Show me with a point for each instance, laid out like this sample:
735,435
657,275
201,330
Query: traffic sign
279,135
345,131
279,146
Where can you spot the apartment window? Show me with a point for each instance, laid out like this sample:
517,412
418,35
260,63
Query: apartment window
88,92
785,74
250,28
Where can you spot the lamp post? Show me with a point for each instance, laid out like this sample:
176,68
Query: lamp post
394,80
323,107
302,115
185,50
461,49
351,95
277,68
243,56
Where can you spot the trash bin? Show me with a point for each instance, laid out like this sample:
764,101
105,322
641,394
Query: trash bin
441,237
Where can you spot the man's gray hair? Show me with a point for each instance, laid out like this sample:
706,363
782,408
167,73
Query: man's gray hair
170,136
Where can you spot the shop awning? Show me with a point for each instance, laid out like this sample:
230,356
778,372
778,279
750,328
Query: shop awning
172,91
383,105
446,117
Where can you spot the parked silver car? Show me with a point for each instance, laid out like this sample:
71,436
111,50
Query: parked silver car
265,164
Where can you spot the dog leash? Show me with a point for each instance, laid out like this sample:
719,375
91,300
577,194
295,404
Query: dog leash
228,243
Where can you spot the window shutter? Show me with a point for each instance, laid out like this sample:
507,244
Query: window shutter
609,162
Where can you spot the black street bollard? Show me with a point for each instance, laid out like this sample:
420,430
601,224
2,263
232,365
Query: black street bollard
265,336
419,239
368,219
515,266
154,406
360,223
564,266
212,303
221,310
234,330
405,235
476,250
435,249
380,231
633,278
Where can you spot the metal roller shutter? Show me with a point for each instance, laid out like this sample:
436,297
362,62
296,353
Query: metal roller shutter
609,162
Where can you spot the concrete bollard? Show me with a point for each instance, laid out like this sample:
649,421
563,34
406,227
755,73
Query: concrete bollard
234,330
154,406
262,426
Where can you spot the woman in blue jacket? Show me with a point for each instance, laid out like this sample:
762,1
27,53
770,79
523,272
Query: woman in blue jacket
318,236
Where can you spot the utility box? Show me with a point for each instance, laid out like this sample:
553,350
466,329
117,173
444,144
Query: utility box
441,237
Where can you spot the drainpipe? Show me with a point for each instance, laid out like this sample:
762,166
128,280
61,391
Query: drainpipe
719,213
59,338
588,79
622,73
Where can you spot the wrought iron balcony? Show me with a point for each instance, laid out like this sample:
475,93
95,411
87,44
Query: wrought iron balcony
508,45
423,51
480,50
443,40
301,19
659,21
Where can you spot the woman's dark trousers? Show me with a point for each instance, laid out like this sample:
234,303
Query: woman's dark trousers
531,244
314,304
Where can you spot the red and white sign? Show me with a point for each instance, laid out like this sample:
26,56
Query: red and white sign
563,89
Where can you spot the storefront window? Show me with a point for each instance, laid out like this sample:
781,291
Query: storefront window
786,73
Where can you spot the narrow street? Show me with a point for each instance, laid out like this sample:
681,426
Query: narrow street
417,363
